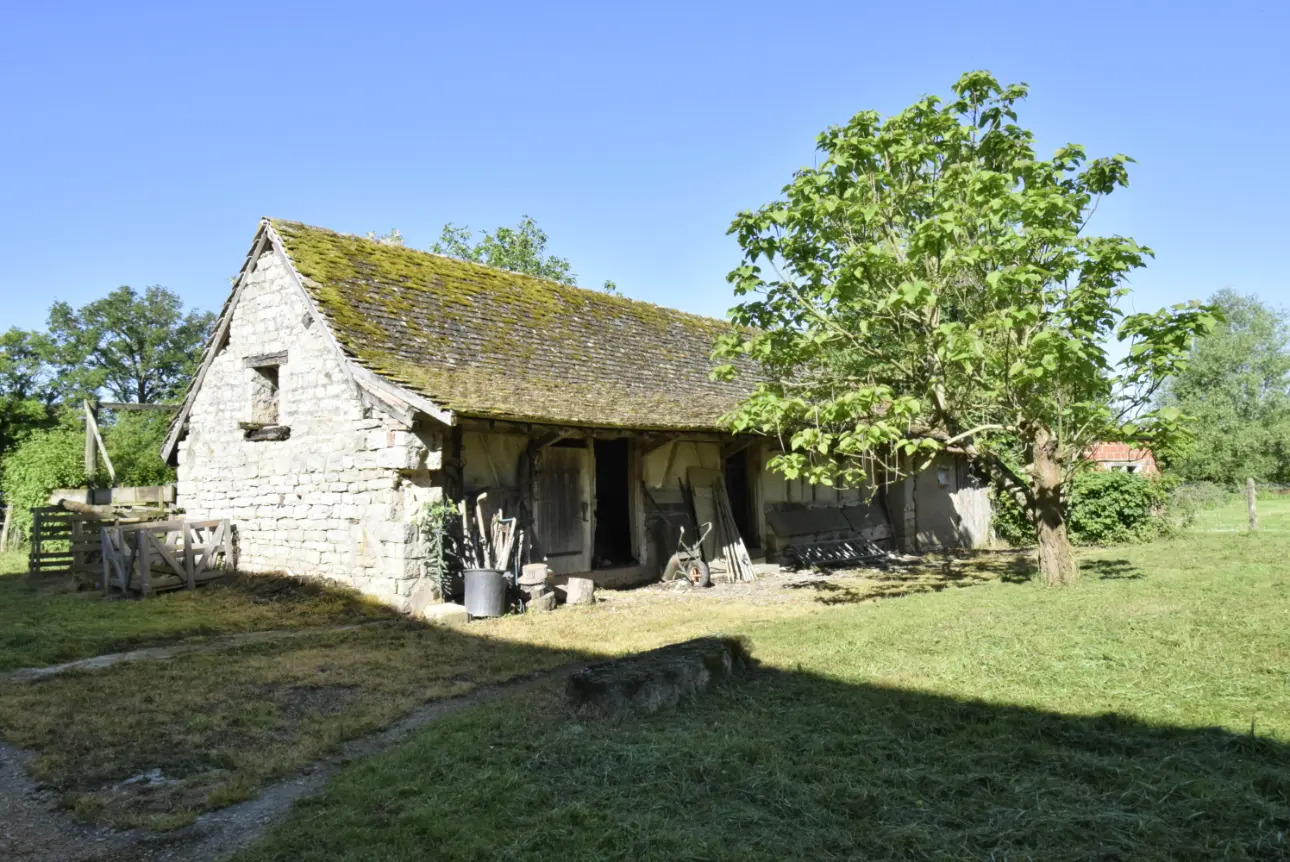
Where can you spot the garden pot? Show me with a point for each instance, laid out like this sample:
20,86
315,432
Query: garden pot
485,592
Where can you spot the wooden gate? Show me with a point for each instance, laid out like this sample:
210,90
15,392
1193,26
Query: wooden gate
52,548
65,541
165,555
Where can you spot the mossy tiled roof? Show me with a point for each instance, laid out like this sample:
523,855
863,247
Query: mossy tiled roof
496,344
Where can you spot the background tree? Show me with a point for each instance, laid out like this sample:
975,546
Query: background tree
522,248
930,284
26,391
138,348
1236,388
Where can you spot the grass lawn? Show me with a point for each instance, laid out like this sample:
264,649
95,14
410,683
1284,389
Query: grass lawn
1142,714
45,621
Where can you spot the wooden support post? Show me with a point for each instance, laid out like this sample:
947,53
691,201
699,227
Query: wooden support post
7,513
105,550
144,538
226,530
190,573
125,569
94,442
34,556
1251,495
91,451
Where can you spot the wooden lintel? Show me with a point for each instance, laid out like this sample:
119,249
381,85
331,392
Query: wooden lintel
734,447
263,360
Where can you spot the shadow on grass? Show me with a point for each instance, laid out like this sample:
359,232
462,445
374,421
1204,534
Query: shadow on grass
793,765
928,574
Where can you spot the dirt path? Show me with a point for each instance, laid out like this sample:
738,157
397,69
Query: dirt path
211,644
35,829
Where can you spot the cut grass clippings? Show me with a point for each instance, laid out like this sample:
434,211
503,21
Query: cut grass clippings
1139,715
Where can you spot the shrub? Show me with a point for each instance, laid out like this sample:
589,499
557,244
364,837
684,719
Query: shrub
134,442
1105,508
1011,523
44,461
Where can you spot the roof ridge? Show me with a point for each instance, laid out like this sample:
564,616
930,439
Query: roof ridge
600,294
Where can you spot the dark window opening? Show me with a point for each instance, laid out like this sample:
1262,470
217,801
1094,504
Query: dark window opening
612,542
740,491
264,395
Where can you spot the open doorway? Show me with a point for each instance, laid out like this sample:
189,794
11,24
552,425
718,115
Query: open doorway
739,489
613,532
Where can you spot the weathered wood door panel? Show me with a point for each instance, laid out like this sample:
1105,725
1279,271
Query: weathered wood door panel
562,507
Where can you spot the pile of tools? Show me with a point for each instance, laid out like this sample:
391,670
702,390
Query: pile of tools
490,542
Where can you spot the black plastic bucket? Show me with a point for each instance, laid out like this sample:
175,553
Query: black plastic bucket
485,592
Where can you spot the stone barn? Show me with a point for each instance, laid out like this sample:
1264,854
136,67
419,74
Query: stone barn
349,382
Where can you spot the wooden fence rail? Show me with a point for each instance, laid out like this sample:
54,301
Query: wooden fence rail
164,555
67,541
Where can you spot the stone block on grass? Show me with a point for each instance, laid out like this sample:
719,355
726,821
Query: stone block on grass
660,678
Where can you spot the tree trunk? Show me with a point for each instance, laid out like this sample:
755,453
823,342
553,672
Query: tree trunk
1057,565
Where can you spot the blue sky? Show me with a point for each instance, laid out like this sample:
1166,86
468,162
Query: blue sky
141,142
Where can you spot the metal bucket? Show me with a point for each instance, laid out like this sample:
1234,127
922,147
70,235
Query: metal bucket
485,592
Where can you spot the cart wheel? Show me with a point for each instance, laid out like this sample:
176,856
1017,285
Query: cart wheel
697,573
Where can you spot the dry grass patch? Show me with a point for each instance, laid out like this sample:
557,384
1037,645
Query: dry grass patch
156,743
44,620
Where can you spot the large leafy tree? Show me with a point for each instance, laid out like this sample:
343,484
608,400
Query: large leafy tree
137,347
1236,388
931,284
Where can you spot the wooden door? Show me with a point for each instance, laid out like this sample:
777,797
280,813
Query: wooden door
562,507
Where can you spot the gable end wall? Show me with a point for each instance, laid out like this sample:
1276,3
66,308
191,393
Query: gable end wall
337,498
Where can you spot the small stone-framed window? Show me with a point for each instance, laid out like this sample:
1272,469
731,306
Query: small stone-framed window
265,372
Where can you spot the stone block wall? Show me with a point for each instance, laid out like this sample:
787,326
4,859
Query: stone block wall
337,498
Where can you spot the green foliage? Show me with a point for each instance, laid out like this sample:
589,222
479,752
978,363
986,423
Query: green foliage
934,274
520,249
134,444
1198,497
1105,508
439,523
1113,507
140,348
25,387
45,460
1236,388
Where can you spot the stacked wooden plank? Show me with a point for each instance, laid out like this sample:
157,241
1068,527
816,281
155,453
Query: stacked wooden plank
738,563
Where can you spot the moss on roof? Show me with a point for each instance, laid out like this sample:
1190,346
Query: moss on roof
493,343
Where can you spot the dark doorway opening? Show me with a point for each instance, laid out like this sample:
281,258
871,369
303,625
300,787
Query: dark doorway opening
612,542
739,490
